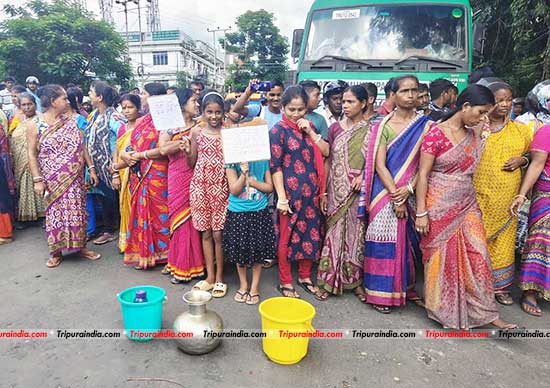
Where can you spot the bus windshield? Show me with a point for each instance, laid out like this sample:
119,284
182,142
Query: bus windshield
393,32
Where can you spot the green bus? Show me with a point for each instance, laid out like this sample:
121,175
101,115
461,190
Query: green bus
374,40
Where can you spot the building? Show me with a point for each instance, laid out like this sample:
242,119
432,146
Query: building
159,57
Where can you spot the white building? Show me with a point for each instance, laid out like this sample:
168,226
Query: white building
160,55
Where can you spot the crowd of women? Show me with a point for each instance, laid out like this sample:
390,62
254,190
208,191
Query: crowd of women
373,201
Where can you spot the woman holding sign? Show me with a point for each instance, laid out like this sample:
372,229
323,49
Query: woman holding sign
298,177
185,258
149,228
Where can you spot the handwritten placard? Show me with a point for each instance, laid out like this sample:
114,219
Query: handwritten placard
246,144
166,112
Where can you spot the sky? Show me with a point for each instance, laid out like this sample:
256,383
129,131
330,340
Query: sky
195,16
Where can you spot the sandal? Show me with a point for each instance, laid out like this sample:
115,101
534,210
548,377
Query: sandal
89,254
532,308
253,299
54,261
203,285
505,325
219,290
417,301
240,297
165,270
360,294
381,309
504,298
288,292
322,295
308,287
5,241
268,263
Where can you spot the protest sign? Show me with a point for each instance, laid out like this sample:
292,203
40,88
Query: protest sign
166,112
246,144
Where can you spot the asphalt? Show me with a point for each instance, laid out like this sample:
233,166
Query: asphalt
81,294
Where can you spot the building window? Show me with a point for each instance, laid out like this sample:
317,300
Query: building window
160,58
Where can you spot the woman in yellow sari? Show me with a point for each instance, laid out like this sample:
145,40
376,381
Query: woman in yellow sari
30,207
497,181
131,105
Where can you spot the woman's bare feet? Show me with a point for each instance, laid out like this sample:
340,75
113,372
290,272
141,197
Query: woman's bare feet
500,324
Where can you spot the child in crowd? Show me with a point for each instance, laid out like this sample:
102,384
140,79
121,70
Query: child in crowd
249,237
209,191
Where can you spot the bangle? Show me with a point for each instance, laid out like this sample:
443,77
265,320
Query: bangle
319,137
91,167
114,168
280,202
423,214
410,188
325,194
527,161
145,155
521,196
37,179
115,176
399,203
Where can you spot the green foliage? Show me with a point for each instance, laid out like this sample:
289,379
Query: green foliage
518,40
261,49
59,42
183,79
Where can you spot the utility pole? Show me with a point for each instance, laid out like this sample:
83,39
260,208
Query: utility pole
213,31
124,3
140,67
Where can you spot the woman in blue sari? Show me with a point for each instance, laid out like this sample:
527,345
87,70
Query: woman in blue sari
391,243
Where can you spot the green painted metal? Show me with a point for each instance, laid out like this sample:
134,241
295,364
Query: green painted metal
380,77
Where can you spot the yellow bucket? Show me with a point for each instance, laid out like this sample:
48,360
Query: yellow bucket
287,322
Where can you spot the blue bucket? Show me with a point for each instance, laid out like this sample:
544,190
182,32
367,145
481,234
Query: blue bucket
142,320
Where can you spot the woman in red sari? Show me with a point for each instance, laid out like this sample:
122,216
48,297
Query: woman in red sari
185,258
149,228
457,268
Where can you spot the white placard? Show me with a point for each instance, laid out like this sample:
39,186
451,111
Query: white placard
246,144
346,14
166,112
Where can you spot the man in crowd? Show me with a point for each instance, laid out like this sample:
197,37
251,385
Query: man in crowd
32,87
5,95
332,99
271,112
197,87
518,107
135,91
372,92
441,93
171,89
389,104
313,91
423,99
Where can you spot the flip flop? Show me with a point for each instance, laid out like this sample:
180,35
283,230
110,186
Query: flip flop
381,309
90,255
253,299
417,301
240,297
322,295
504,299
219,290
203,285
54,261
288,290
538,312
306,286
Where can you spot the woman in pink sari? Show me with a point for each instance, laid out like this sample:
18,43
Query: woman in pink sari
185,258
57,158
457,268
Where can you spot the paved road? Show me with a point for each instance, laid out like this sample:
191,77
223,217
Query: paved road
82,295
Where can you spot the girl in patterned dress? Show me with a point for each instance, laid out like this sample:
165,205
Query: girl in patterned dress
210,191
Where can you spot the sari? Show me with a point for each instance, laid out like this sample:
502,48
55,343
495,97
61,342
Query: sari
458,285
30,207
535,262
123,141
61,163
391,244
7,185
149,227
495,187
185,257
341,263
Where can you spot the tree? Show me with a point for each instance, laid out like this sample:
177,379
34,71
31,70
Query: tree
183,79
518,40
59,42
261,49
